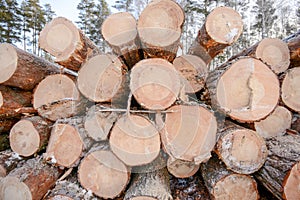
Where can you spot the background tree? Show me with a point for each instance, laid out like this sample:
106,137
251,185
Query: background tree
123,5
9,21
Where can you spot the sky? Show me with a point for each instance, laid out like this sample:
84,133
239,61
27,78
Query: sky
67,8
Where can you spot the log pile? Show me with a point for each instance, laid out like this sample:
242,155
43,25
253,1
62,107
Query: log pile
127,124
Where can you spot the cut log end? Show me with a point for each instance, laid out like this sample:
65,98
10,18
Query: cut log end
275,124
190,133
60,38
160,23
101,77
292,183
290,90
242,150
275,53
119,28
224,25
12,188
65,146
104,174
193,71
57,97
181,168
135,140
253,95
98,124
24,138
8,60
155,83
236,187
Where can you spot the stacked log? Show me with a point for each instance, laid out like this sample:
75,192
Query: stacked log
125,124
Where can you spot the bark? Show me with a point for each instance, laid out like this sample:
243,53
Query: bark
6,124
253,95
62,39
294,47
22,69
120,32
15,103
8,161
30,135
4,142
32,180
225,184
150,186
155,83
283,155
189,188
160,36
222,28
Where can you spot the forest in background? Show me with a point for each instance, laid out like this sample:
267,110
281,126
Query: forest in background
21,21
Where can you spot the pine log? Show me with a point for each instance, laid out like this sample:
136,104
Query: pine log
62,39
57,97
294,47
135,140
275,53
101,78
193,71
254,93
69,189
275,124
120,31
280,173
8,161
222,28
290,90
192,188
182,168
225,184
98,124
68,142
14,103
189,133
30,181
103,173
242,150
155,83
6,125
159,27
22,69
272,51
29,135
153,185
